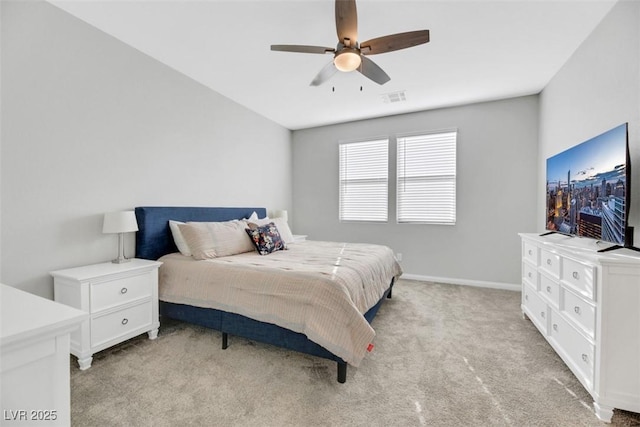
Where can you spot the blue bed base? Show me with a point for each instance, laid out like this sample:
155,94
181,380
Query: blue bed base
154,240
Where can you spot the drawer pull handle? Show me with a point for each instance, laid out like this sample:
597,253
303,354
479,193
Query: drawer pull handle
575,275
548,261
576,309
542,313
125,321
549,289
529,274
555,326
123,291
585,357
530,252
526,297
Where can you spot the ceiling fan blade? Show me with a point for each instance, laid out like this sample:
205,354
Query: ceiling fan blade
347,21
372,71
394,42
325,74
301,48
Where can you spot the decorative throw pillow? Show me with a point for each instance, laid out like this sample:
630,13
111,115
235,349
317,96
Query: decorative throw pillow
283,228
266,238
216,239
178,238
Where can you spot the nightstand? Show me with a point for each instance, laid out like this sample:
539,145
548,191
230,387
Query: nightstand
121,299
299,238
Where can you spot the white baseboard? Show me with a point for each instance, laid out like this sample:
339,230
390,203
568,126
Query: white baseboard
464,282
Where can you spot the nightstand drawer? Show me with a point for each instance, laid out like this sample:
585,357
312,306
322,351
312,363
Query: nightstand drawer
111,326
579,276
121,291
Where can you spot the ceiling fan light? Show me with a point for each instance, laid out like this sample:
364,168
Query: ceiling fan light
347,60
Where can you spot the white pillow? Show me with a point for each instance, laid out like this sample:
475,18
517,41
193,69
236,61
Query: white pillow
253,217
178,238
283,228
216,239
260,222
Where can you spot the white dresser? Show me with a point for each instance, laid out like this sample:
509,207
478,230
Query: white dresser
34,359
587,305
121,299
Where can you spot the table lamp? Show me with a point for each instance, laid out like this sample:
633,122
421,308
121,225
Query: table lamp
120,222
281,214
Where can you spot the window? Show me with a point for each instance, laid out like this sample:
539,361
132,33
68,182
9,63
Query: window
364,180
427,178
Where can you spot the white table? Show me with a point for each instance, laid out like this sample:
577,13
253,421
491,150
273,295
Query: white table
121,299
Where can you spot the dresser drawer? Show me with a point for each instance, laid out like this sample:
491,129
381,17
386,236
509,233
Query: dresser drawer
579,276
121,291
550,262
577,350
110,326
536,308
530,275
580,311
550,289
530,252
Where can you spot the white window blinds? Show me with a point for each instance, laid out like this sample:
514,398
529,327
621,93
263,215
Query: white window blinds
427,178
364,180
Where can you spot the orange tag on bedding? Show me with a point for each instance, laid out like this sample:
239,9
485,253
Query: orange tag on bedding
370,348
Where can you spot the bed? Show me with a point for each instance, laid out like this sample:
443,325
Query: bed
337,333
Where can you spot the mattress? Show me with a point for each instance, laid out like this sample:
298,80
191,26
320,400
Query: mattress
320,289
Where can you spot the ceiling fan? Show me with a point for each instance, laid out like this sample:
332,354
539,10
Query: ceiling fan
349,55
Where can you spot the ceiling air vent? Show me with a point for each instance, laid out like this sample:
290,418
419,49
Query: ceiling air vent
390,98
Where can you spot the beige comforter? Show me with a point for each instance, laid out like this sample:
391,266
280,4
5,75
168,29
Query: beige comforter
320,289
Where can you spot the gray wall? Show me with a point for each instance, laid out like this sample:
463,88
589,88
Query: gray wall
496,190
596,90
91,125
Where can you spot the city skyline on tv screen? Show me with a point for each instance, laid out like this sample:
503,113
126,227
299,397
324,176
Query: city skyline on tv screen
587,188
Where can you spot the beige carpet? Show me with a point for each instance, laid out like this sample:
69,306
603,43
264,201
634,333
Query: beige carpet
444,355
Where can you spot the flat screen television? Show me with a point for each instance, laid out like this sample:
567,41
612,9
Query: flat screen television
588,189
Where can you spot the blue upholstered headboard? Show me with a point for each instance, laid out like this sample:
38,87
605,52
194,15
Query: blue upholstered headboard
154,238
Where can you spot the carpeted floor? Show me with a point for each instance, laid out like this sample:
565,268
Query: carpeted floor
444,355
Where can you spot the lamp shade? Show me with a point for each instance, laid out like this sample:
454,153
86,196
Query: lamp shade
119,222
281,214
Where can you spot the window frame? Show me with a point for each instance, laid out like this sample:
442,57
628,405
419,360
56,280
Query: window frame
342,181
446,178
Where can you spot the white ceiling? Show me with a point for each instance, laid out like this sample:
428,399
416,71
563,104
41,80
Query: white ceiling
479,50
